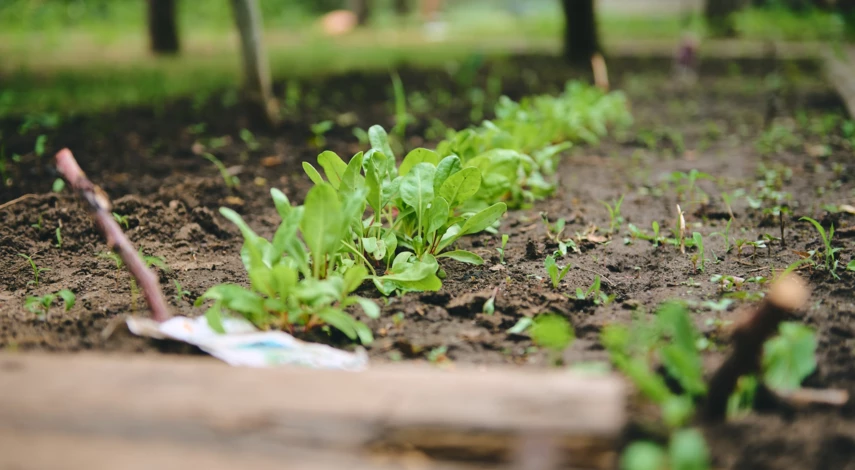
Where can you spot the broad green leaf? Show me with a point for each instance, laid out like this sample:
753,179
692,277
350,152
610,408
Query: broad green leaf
240,300
284,279
322,224
851,266
417,188
416,156
371,309
67,297
463,256
280,200
353,278
352,179
685,367
380,140
688,450
644,455
437,215
446,167
363,333
214,317
338,320
461,186
484,219
790,357
334,167
312,173
375,171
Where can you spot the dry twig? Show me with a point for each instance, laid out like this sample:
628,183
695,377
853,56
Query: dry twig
100,209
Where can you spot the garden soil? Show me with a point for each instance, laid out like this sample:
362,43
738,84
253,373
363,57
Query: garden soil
147,160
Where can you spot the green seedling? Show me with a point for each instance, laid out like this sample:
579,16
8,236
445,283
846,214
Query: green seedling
59,237
556,234
58,185
615,218
556,273
553,332
686,185
595,293
790,357
121,220
37,271
319,131
292,96
656,238
39,148
687,450
402,117
438,355
829,251
699,259
180,292
231,181
40,223
249,139
41,305
851,266
361,135
725,235
501,250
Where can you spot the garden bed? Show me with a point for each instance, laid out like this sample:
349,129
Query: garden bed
738,124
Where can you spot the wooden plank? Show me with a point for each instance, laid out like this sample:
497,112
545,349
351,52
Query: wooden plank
271,413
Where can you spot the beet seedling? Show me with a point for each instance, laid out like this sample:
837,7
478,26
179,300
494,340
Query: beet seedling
501,250
553,332
615,219
829,251
556,273
595,293
43,304
318,132
231,181
37,271
121,220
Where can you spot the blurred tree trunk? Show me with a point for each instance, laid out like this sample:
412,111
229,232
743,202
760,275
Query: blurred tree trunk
162,26
719,16
581,40
402,7
255,62
362,9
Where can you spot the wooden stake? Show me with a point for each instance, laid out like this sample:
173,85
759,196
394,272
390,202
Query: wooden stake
101,211
785,296
256,68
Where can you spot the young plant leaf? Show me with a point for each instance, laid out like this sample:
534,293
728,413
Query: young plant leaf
790,357
380,140
416,156
334,167
461,186
322,225
463,256
313,173
446,167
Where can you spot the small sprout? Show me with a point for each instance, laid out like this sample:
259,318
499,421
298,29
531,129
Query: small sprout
180,292
58,185
438,355
615,218
231,181
553,332
121,220
790,357
59,236
851,266
699,259
595,293
829,251
39,148
655,226
361,135
681,229
37,271
521,325
556,274
39,224
318,131
502,249
41,305
249,139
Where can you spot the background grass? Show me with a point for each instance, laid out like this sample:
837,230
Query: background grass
80,56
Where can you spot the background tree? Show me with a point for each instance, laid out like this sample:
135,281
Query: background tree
581,39
719,16
162,26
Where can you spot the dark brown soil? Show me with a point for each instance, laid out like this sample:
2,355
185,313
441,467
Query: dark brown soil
144,159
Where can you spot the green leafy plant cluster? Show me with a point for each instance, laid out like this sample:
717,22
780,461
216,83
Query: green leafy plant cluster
519,150
303,277
41,305
415,211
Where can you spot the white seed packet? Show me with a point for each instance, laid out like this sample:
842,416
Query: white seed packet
246,346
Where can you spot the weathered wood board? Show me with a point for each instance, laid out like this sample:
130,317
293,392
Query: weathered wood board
95,411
